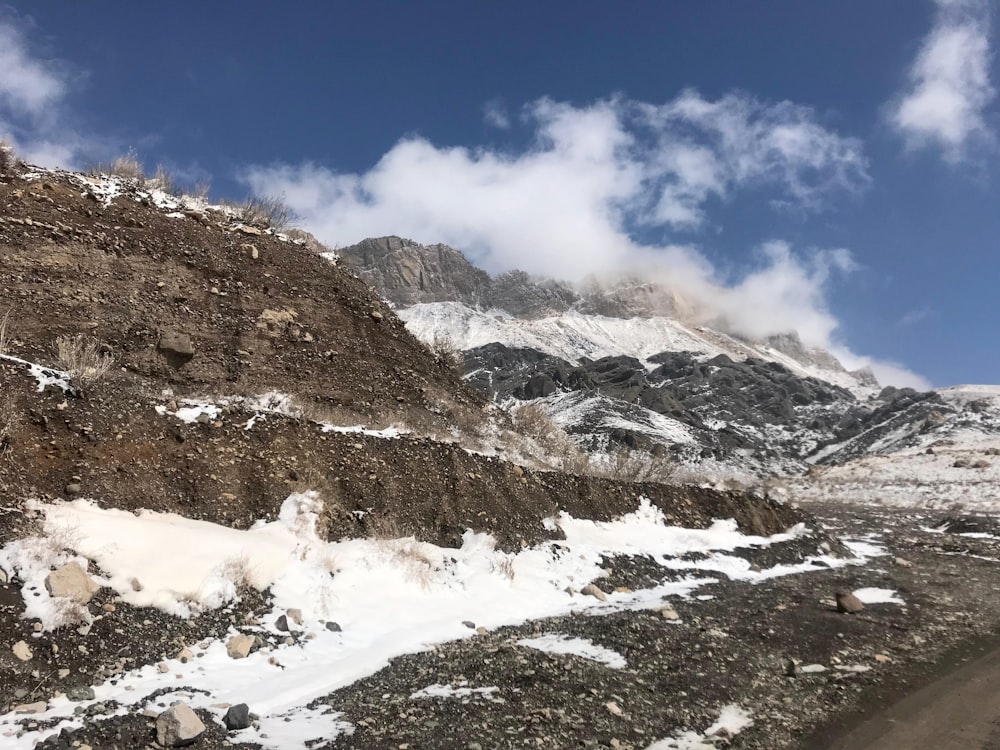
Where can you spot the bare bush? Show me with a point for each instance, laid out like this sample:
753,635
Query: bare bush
626,465
127,167
164,181
4,330
560,452
8,422
84,359
446,351
267,211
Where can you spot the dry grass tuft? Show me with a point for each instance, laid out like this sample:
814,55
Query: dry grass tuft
84,359
4,330
127,167
266,211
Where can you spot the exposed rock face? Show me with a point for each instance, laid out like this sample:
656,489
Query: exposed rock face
407,272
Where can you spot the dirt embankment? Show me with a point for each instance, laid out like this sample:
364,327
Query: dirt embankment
114,446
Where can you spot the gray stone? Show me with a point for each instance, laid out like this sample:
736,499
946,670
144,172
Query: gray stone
592,590
80,693
295,615
848,603
237,717
282,623
178,726
71,581
238,647
74,488
333,627
32,708
176,347
22,651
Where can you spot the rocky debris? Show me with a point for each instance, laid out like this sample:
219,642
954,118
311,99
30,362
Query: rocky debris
178,726
176,347
237,717
239,646
22,651
71,582
848,603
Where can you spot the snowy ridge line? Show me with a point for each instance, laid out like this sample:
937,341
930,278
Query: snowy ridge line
388,598
573,335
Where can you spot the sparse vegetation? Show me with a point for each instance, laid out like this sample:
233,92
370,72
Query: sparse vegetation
4,324
626,465
127,167
164,181
446,351
265,211
8,421
84,359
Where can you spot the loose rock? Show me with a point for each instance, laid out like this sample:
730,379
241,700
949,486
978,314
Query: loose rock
71,582
178,726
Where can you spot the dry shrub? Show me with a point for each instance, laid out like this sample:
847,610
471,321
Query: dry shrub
446,351
84,359
8,422
4,330
127,167
626,465
164,181
267,211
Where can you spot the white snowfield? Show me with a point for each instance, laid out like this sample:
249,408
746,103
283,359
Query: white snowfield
572,336
955,466
390,597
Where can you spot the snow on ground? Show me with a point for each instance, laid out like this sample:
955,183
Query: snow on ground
389,597
463,692
877,596
272,402
44,376
555,643
955,470
573,335
732,720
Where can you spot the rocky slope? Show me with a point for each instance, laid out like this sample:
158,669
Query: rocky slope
621,366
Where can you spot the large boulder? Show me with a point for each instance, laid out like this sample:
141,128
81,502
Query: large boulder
178,726
71,582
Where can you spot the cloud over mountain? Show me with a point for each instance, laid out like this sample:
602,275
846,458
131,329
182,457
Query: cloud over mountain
592,182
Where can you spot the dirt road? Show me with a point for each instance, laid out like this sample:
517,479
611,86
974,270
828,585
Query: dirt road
960,711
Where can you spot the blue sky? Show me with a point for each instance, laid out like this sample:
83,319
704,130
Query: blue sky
829,167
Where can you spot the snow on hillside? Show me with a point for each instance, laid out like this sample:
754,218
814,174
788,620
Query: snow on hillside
573,335
360,602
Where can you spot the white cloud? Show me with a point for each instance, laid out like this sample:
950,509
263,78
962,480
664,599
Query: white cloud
593,181
33,116
495,114
949,88
27,86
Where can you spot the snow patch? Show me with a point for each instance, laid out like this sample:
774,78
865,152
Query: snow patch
563,644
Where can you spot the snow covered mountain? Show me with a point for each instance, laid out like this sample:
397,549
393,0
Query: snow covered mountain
622,365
